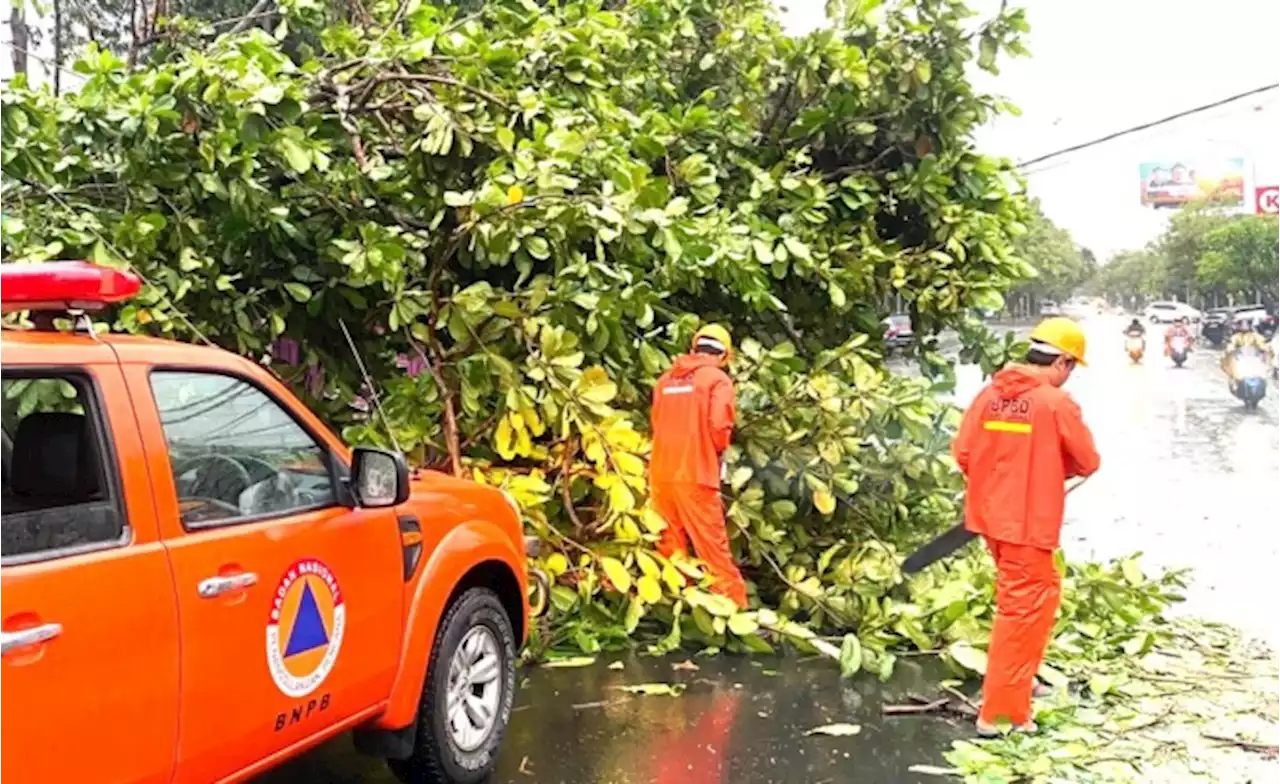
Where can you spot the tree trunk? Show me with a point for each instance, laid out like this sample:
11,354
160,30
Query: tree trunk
57,47
21,36
134,35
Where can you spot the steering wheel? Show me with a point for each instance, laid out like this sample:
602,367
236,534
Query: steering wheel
212,484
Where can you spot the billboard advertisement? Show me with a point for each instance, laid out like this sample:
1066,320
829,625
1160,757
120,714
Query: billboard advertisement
1175,182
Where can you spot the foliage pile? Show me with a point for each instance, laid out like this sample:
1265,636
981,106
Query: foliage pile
522,213
1201,707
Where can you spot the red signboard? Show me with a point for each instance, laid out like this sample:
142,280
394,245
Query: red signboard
1266,200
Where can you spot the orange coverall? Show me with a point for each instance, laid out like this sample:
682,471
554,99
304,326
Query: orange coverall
693,412
1019,441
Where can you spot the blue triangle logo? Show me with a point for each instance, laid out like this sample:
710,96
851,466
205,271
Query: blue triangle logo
308,627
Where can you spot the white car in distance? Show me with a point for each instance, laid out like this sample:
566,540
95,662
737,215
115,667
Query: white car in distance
1169,312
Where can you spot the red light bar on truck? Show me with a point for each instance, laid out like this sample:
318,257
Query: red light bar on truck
64,285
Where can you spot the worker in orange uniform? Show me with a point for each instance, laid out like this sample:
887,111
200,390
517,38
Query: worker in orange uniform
1019,441
693,412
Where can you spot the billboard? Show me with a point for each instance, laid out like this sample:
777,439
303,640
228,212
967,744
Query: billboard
1175,182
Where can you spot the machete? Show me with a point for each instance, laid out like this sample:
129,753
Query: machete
947,543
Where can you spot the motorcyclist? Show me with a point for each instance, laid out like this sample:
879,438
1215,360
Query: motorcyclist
1135,329
1275,345
1180,329
1244,336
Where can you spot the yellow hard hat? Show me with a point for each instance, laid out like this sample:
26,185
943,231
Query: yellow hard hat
1063,334
717,333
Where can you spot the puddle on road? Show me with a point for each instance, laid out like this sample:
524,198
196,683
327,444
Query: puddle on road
736,723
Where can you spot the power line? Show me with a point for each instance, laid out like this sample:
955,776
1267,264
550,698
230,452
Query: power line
1135,129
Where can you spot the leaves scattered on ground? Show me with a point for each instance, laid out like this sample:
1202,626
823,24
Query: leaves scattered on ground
570,661
1199,705
838,730
654,689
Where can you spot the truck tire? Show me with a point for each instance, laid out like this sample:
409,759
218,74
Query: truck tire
475,631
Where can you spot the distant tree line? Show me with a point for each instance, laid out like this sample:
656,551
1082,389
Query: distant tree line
1205,258
1056,265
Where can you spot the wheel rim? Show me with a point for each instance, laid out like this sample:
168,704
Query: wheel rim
475,689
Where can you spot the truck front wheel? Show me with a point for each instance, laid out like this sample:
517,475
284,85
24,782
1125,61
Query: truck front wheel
467,695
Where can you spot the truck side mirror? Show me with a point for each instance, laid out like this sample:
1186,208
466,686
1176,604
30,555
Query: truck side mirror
379,477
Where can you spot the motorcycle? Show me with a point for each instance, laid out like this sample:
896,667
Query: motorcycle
1135,345
1178,349
1249,382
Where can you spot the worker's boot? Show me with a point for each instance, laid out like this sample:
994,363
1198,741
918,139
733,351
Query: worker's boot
1039,691
986,730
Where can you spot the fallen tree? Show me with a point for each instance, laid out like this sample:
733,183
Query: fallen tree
522,213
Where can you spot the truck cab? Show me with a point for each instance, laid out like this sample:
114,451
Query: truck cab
201,580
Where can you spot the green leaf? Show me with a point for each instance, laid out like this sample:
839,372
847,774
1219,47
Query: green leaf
506,139
987,52
850,656
570,661
1052,677
299,160
616,572
934,770
797,248
824,502
538,247
635,611
742,624
601,393
1132,572
654,689
836,730
968,657
299,291
648,589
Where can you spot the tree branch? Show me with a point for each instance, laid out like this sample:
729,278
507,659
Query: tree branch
434,79
435,367
254,12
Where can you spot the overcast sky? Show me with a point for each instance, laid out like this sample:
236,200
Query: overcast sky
1098,66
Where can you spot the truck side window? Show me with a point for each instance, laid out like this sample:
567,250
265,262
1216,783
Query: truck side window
58,488
236,453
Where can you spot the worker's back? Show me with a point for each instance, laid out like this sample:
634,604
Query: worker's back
1020,440
692,419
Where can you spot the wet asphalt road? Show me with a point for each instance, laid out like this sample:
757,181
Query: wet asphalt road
741,721
1188,477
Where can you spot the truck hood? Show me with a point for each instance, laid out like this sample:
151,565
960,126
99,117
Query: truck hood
441,500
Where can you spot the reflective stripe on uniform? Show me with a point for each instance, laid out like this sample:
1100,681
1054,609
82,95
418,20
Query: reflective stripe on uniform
677,390
1007,427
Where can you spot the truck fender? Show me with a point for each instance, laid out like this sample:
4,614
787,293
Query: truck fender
461,550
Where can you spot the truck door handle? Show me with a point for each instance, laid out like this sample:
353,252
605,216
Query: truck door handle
33,636
217,586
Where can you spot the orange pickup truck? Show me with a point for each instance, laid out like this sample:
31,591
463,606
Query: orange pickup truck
200,580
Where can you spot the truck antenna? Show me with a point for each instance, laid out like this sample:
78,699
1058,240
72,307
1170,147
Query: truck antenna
368,382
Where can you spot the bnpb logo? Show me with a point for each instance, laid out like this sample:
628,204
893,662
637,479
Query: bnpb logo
304,629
